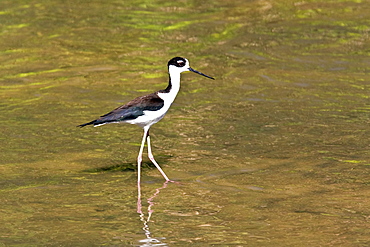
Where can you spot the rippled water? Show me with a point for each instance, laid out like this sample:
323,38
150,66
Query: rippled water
274,152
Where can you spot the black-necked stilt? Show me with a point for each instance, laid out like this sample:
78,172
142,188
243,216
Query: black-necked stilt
147,110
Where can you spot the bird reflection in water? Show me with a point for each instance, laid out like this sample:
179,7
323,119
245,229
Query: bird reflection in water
149,240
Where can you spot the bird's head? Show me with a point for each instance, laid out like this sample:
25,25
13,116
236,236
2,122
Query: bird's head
180,64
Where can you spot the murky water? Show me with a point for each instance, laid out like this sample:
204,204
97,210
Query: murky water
274,152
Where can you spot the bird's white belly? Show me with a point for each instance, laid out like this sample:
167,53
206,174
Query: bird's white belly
150,117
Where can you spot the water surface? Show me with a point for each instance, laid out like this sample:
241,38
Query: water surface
274,152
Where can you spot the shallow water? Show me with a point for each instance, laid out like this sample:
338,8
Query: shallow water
274,152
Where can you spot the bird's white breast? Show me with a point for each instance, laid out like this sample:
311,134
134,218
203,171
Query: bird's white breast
151,117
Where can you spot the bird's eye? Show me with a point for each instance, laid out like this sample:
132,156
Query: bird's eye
181,63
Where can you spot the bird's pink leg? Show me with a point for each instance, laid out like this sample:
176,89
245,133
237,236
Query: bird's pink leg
151,157
140,156
139,207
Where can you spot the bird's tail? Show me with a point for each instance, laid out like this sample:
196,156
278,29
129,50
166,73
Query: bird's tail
85,124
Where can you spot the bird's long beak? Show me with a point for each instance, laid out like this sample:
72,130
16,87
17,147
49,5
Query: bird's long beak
200,73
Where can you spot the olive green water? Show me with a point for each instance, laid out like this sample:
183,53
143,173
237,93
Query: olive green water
274,152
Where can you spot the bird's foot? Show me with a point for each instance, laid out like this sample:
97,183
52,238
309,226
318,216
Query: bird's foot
172,181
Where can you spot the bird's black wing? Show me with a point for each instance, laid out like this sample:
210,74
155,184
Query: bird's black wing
131,110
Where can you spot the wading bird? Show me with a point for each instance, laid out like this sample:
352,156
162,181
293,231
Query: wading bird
147,110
